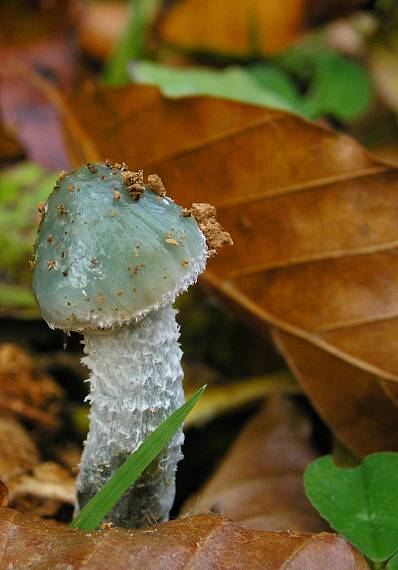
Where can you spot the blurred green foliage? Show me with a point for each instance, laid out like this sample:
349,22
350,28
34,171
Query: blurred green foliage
131,44
274,89
334,84
307,78
22,187
308,81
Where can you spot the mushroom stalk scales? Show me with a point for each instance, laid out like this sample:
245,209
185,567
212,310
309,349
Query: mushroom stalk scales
136,383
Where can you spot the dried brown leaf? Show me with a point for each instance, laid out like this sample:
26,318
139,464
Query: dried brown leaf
3,495
41,38
202,542
100,26
260,482
314,224
18,452
44,490
33,487
25,391
248,26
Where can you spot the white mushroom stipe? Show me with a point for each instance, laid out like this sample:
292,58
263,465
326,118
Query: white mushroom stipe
135,384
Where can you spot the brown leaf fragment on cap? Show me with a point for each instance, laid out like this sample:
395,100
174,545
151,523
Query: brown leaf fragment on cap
156,185
206,216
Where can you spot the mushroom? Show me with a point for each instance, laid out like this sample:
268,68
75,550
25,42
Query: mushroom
111,256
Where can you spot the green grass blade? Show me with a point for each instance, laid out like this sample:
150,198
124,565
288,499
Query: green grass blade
131,43
94,512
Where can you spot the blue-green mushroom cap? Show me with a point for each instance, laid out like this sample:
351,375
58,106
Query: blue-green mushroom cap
109,249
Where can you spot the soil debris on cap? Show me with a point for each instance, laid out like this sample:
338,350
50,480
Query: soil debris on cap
91,168
170,239
135,183
62,210
134,269
120,166
41,207
206,216
156,185
61,175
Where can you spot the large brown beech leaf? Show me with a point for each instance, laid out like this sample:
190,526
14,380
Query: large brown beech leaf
314,220
200,543
260,482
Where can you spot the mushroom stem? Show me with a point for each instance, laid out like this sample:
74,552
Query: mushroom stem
135,383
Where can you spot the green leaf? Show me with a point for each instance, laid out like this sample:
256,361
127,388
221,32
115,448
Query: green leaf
273,79
132,41
336,84
340,87
94,512
393,563
361,503
267,88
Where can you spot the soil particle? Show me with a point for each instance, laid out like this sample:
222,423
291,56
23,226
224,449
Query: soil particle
62,210
41,208
91,168
156,185
134,269
206,216
120,166
170,239
135,183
